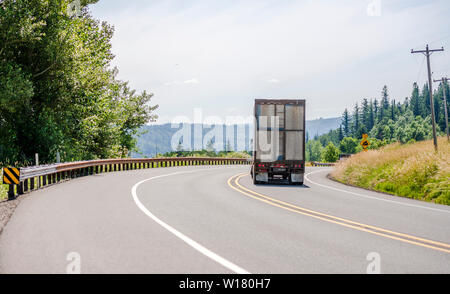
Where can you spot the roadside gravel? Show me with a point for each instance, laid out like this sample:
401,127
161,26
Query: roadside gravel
7,209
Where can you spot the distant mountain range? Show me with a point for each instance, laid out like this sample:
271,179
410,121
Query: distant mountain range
160,138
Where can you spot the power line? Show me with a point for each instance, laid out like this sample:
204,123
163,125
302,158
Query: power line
420,69
427,52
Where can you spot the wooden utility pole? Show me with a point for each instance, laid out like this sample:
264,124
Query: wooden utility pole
444,86
427,52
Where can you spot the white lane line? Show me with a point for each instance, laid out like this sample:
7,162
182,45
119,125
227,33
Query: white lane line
200,248
367,196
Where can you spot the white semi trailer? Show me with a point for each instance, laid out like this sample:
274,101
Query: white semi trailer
279,141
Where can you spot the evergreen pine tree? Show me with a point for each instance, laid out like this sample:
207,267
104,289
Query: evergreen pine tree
415,100
346,123
393,110
425,102
376,110
340,133
384,107
356,123
371,116
365,115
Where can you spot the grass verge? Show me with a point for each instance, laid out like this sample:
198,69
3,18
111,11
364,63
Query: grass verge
410,170
3,188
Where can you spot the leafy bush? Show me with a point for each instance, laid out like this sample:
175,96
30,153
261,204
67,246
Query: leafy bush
348,145
330,153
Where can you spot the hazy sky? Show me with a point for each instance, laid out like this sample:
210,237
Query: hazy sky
221,55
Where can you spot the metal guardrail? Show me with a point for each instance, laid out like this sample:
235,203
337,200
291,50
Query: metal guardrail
313,163
35,177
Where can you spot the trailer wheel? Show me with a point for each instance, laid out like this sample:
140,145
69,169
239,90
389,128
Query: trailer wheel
296,183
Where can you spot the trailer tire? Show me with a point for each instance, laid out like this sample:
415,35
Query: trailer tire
297,183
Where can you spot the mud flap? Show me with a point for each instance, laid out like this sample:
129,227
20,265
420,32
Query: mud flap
262,177
296,178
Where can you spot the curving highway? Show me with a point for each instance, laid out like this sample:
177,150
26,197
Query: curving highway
212,219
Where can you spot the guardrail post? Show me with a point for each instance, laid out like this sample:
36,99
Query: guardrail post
20,188
25,185
32,184
11,194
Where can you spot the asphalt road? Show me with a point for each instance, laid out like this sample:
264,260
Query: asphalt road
214,220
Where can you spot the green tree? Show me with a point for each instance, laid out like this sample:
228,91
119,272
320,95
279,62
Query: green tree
313,150
340,133
376,110
384,107
409,128
330,153
425,109
58,90
346,122
415,101
365,116
348,145
371,121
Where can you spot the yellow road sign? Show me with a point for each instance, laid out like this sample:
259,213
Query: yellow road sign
364,142
11,175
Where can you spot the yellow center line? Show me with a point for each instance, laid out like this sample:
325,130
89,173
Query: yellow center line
334,219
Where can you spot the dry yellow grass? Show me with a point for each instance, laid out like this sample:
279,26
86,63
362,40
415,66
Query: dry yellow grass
410,170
